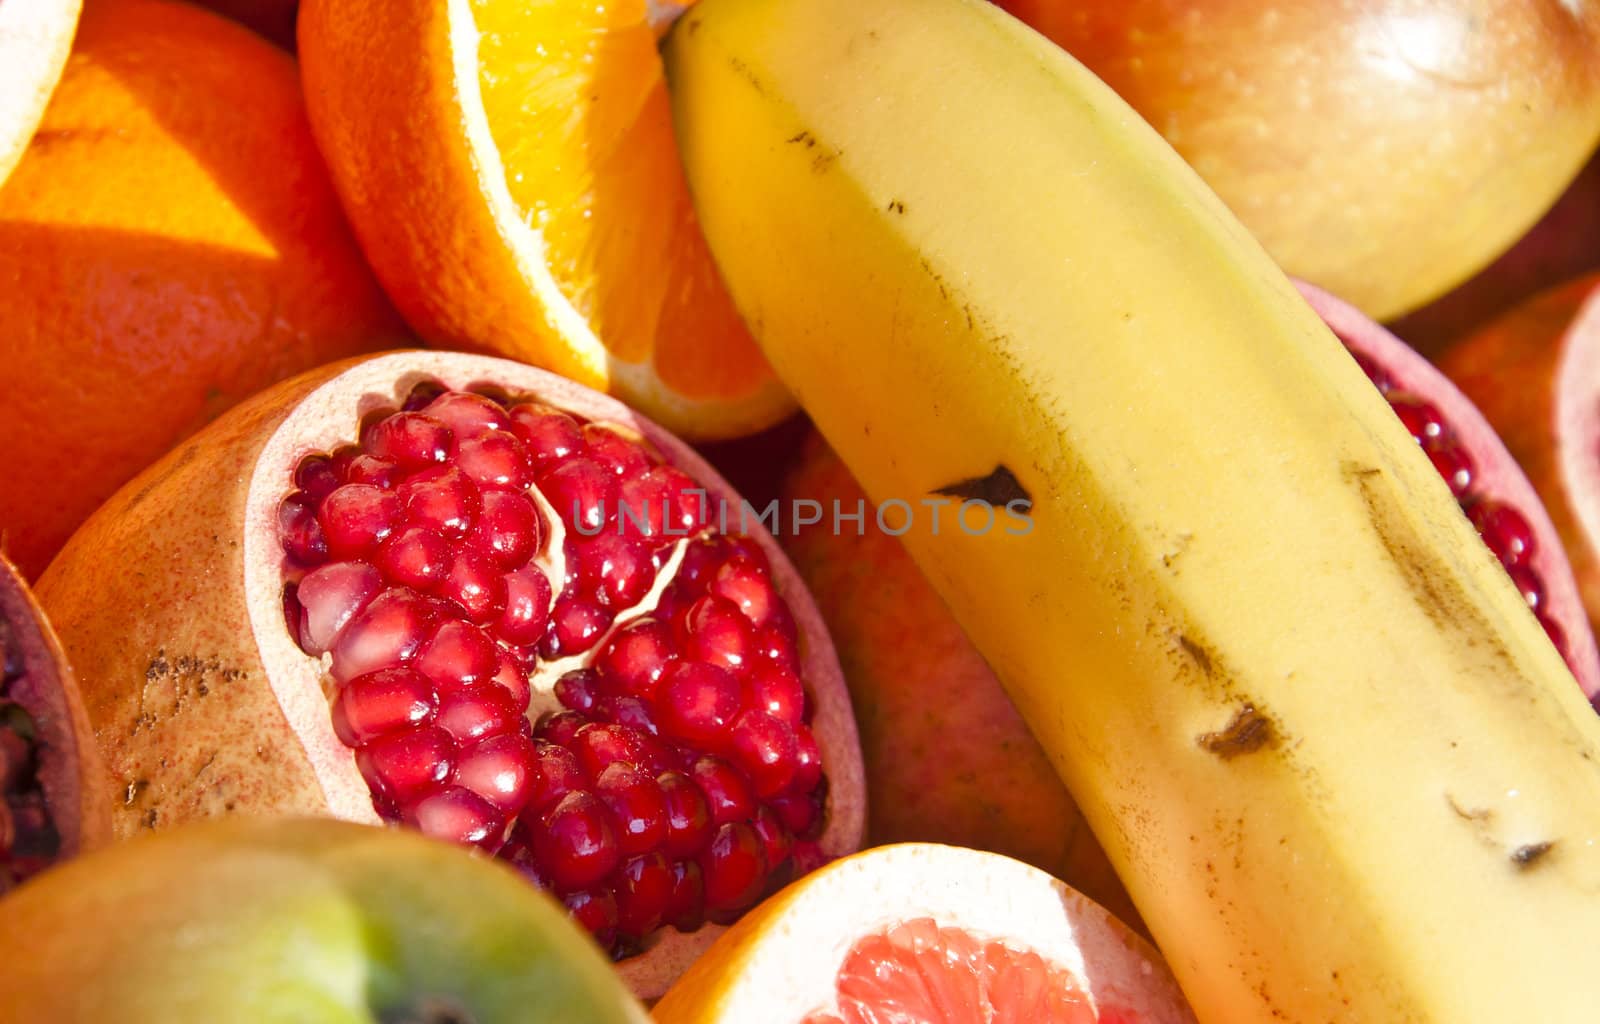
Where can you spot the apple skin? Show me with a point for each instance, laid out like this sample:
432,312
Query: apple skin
1385,150
296,922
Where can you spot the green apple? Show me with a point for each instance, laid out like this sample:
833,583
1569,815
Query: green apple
296,922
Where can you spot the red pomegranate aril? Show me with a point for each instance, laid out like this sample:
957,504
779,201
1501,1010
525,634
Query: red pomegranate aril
501,769
1504,530
1375,373
636,655
596,911
508,531
631,712
495,461
422,394
459,815
715,632
599,745
644,890
329,598
405,766
613,571
701,561
459,656
696,703
340,460
417,558
582,492
800,813
369,469
688,816
777,692
441,499
735,867
317,477
575,626
686,906
467,415
560,727
743,549
549,434
356,518
726,791
576,841
662,502
637,805
1453,463
556,773
807,762
623,456
1528,585
411,440
300,532
776,842
578,689
748,588
478,713
1420,417
391,630
526,615
765,749
379,703
476,586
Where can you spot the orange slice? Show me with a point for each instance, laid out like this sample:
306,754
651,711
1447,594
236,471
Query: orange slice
511,171
35,36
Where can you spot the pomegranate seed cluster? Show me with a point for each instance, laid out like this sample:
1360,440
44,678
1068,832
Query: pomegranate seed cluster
1503,528
28,838
667,773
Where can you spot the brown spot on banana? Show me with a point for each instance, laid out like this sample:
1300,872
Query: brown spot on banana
1248,731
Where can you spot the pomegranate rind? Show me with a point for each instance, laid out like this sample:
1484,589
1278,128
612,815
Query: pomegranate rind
782,960
1498,471
69,767
169,600
1535,374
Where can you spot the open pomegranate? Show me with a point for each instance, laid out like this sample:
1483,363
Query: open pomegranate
1482,474
471,597
52,793
1535,373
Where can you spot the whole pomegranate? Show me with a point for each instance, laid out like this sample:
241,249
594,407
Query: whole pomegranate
1384,149
466,596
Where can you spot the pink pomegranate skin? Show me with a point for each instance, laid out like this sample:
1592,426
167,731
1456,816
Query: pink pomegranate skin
170,600
1535,373
52,785
1490,486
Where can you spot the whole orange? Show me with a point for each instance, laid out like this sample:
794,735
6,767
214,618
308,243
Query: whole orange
169,244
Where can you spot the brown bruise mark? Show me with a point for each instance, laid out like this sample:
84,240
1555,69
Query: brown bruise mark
1432,584
428,1010
1249,731
999,487
1200,655
1531,854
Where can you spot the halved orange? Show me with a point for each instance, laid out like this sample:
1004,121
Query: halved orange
35,36
511,172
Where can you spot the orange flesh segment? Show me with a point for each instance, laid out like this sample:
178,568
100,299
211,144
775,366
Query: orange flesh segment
921,973
577,105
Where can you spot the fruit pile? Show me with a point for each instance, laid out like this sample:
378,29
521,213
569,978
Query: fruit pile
828,512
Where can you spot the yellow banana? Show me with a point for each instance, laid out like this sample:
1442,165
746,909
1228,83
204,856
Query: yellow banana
1342,771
